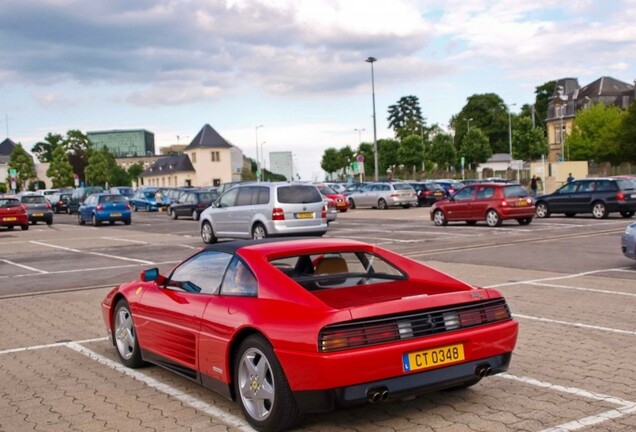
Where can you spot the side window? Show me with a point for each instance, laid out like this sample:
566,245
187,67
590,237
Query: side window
585,187
229,198
239,280
263,195
485,192
464,194
190,199
605,185
568,188
202,273
244,196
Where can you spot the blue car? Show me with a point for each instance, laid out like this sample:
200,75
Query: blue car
146,199
628,242
126,191
104,207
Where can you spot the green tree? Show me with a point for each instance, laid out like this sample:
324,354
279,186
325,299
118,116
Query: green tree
405,117
366,150
627,134
539,109
346,156
77,146
100,168
528,143
595,134
442,151
487,112
43,150
475,147
119,177
387,155
22,162
330,161
410,152
134,171
60,170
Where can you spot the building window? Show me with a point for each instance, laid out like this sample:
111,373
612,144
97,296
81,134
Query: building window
215,156
559,131
194,157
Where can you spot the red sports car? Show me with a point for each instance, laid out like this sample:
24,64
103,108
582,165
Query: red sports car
288,327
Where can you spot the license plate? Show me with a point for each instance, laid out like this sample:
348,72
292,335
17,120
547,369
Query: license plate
10,219
115,215
433,357
437,194
305,215
522,203
38,214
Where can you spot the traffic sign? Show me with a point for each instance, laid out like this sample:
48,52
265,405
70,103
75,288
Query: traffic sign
13,172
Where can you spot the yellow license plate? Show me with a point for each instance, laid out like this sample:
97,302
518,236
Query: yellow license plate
522,203
10,219
433,357
38,214
306,215
115,214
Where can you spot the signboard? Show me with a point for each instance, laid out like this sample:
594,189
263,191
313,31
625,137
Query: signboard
13,172
463,160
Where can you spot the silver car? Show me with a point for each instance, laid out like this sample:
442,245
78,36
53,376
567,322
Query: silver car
259,210
384,195
628,241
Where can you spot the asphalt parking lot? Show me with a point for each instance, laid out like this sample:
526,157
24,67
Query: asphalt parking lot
567,283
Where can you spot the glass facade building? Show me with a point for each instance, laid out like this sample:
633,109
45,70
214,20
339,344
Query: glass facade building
124,143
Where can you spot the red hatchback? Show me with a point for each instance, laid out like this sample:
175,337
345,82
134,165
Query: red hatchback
13,213
342,203
492,202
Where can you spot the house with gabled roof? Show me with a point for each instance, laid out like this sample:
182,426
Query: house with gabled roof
169,171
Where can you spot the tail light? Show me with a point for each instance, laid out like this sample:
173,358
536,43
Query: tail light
620,196
48,205
200,205
426,192
100,207
323,215
278,214
60,202
394,195
127,207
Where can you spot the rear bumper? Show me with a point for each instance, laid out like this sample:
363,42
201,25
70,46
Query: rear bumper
19,220
628,246
108,216
518,212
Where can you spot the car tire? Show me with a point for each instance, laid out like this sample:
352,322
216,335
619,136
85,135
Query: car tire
173,215
80,221
524,221
95,221
265,398
352,204
259,232
627,214
382,204
195,215
24,227
49,221
207,233
493,219
542,210
125,336
439,218
599,210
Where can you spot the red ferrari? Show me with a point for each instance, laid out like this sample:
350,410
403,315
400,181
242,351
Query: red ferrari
288,327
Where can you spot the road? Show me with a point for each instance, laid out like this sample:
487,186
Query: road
568,285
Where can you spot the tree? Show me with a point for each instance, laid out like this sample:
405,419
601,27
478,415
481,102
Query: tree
134,171
43,150
528,143
387,155
60,170
77,146
540,107
487,112
22,162
405,117
366,150
330,161
410,151
475,147
346,156
595,134
627,134
442,151
101,165
119,176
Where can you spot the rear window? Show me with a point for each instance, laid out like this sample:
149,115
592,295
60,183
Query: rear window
298,194
626,184
402,186
9,202
112,199
34,199
515,191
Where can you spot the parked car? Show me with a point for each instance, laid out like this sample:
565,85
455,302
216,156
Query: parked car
192,203
146,199
383,195
13,213
79,195
38,208
492,202
628,241
285,327
341,202
450,186
59,201
264,209
125,191
332,212
599,196
428,193
337,187
104,207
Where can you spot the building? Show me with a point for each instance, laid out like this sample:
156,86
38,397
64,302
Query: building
569,98
169,171
124,143
282,163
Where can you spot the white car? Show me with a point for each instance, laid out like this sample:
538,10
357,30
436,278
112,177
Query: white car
383,195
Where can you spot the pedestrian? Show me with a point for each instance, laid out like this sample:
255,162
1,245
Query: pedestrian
570,178
533,186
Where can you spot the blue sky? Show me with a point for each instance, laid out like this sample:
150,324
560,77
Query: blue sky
295,66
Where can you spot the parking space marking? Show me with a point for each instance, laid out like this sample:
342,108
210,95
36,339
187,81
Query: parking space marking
552,278
52,345
125,240
24,267
575,324
581,289
93,253
625,407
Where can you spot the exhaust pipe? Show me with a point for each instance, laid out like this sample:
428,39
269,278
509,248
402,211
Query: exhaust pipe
377,394
483,370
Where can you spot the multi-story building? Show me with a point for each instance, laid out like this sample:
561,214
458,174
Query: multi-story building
569,98
124,143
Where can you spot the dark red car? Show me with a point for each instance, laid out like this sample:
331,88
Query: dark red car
13,213
490,202
341,201
294,326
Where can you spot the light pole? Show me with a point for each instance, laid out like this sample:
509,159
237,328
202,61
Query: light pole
510,131
263,166
468,124
256,128
359,135
375,135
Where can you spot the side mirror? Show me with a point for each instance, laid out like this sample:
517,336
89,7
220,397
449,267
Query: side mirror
150,275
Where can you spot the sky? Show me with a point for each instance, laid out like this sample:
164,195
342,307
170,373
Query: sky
296,67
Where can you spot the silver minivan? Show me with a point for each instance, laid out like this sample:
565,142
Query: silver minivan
263,209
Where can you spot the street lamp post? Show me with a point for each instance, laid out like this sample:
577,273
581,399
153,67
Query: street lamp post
256,128
375,135
510,131
263,165
359,135
468,124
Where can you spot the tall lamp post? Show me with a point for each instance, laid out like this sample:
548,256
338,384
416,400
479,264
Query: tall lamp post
375,135
256,128
510,131
468,124
263,165
359,135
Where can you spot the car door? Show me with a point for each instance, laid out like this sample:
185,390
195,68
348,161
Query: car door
86,208
181,208
247,204
169,317
481,202
562,200
581,199
459,205
222,214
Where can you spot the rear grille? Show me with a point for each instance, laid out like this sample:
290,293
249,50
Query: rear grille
419,324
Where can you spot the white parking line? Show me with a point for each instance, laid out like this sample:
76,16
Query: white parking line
582,289
569,276
93,253
80,270
125,240
575,324
24,266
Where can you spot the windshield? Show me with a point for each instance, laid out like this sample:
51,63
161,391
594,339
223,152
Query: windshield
326,190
